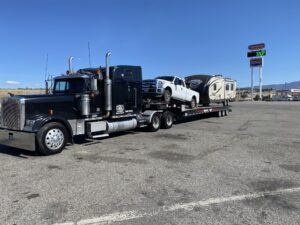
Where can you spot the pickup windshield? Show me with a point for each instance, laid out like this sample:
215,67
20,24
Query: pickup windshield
69,86
168,78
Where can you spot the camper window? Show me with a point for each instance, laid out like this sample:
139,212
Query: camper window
227,87
215,87
232,86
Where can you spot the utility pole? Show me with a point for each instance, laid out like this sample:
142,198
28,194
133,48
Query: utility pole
260,83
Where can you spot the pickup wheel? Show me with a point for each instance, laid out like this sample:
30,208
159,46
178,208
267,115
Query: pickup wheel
167,120
167,96
52,138
155,123
193,103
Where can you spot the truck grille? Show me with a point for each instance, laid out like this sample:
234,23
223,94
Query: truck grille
11,113
149,86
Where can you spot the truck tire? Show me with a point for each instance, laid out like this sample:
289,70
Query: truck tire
220,113
155,123
52,138
193,103
226,103
167,96
167,120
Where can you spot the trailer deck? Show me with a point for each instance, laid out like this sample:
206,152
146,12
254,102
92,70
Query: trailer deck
181,110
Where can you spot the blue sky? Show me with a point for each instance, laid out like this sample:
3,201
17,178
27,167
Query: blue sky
164,37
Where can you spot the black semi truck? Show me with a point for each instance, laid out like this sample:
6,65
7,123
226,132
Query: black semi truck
90,103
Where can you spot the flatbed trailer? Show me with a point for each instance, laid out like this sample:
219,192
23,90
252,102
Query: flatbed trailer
164,115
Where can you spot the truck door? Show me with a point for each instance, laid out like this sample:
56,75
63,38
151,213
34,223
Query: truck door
179,89
185,94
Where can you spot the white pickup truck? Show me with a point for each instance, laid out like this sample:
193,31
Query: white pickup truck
170,88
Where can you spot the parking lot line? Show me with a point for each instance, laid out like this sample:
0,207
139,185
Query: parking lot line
135,214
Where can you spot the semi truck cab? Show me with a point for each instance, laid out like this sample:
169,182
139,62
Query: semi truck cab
91,102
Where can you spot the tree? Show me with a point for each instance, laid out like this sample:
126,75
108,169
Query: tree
244,95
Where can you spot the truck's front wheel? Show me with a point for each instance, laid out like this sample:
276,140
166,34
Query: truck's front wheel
52,138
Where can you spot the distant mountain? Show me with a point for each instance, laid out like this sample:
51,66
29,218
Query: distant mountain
291,85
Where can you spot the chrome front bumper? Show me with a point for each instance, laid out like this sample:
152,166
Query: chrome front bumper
17,139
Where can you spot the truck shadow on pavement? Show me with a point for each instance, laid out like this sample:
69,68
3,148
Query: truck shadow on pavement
16,152
87,141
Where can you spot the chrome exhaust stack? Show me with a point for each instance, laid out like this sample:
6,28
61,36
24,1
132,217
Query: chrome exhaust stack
108,87
71,64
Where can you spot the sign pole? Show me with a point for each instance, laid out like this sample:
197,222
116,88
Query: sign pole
260,83
251,83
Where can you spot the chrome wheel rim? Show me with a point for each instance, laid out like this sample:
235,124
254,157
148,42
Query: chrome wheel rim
169,120
155,122
54,139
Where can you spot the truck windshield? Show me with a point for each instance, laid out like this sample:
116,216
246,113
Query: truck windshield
168,78
69,86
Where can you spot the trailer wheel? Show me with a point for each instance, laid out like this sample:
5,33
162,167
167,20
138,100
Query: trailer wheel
155,123
220,113
167,120
52,138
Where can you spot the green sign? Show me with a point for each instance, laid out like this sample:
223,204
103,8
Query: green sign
258,53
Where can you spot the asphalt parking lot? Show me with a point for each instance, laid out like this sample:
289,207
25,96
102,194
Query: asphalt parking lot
239,169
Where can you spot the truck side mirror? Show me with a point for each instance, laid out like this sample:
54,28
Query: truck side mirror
94,84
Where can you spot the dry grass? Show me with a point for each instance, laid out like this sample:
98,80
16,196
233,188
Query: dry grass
4,92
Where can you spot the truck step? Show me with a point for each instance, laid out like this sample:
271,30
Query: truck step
100,136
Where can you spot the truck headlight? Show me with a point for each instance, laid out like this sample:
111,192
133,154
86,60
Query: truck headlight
29,123
160,84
